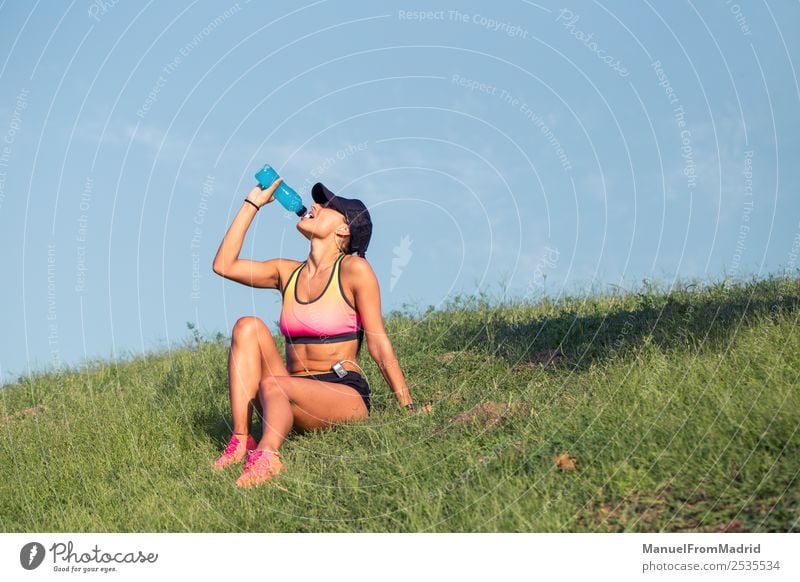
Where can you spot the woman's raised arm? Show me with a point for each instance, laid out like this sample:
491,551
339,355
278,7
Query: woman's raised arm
227,263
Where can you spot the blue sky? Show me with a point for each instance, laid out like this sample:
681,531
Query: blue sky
536,147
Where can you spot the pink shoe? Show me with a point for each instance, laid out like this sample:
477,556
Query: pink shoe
229,457
260,466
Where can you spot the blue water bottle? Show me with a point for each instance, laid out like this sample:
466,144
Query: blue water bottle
288,198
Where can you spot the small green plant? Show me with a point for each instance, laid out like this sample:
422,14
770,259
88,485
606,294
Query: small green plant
196,338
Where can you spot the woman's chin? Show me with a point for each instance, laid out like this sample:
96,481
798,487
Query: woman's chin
302,230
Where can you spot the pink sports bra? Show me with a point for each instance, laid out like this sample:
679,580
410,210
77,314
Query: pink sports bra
328,318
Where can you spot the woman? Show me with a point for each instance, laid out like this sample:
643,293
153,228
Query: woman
330,301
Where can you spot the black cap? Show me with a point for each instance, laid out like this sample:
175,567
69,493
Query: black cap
355,214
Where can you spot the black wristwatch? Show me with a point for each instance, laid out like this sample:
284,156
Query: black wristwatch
409,406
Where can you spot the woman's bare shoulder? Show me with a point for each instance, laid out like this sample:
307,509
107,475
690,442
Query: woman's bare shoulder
291,263
357,273
356,266
285,269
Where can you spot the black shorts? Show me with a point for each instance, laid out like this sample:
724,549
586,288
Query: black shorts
353,379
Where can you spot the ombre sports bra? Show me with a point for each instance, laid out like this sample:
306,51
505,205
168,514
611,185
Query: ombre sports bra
328,318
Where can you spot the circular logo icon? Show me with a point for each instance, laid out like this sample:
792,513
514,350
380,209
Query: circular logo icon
31,555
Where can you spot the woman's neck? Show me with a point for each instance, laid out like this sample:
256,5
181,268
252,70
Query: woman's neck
321,256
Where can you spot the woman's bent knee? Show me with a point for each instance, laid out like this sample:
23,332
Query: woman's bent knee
248,325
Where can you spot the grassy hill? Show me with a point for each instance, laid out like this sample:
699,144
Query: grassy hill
630,411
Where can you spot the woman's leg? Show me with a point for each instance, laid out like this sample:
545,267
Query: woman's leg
253,357
304,403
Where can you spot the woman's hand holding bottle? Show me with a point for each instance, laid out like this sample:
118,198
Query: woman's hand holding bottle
261,197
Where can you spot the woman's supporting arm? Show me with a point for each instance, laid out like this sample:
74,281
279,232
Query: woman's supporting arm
368,303
381,351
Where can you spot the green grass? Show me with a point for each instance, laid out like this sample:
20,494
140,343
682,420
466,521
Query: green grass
682,410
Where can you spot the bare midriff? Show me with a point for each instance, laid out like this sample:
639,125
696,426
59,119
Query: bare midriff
305,359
